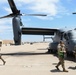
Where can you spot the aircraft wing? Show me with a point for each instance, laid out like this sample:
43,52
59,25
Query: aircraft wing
38,31
13,7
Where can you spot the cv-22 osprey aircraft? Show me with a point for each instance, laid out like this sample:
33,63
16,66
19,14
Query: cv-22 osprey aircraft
69,36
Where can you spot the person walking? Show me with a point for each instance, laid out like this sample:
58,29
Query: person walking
61,52
0,53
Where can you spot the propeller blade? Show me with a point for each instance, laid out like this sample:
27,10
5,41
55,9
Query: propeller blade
12,15
74,13
7,16
13,7
33,14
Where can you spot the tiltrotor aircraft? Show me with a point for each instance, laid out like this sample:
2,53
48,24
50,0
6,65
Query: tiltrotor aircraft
68,36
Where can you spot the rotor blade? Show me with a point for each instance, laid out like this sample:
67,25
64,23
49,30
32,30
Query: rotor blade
13,6
74,13
7,16
34,15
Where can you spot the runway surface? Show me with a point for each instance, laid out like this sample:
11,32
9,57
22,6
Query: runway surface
32,59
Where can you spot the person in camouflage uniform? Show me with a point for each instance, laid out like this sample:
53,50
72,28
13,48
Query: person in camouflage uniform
1,55
61,52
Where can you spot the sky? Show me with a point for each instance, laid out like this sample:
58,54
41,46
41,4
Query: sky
59,15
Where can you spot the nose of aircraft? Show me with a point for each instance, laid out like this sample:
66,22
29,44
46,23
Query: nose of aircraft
74,41
71,45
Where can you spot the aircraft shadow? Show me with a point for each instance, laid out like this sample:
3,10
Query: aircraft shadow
42,49
69,58
23,54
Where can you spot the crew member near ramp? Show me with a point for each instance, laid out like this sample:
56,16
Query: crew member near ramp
0,53
61,52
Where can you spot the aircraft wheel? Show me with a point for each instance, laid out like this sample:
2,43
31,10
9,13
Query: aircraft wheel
49,50
67,53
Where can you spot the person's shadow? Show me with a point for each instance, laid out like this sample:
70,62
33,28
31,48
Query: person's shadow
73,68
55,70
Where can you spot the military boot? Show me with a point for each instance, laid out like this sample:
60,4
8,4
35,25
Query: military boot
65,70
4,62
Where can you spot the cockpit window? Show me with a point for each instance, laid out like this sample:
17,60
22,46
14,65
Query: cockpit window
69,35
66,36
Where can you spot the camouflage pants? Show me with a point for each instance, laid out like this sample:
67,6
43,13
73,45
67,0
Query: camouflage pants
61,62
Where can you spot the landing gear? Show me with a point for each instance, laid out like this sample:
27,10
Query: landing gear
49,51
52,51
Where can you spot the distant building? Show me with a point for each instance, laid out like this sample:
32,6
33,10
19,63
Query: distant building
1,43
8,42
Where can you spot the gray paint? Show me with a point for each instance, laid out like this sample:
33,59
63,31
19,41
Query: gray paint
69,38
16,30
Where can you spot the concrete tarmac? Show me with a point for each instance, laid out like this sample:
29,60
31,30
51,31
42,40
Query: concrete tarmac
32,59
